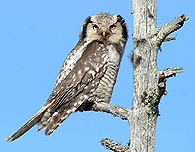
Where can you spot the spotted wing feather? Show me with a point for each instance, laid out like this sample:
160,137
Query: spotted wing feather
76,88
67,66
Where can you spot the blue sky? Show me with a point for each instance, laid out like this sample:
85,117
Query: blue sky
35,38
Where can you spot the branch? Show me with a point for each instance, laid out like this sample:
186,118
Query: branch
118,111
170,72
170,38
114,146
167,73
165,30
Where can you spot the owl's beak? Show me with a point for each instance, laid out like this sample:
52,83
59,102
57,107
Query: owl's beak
104,34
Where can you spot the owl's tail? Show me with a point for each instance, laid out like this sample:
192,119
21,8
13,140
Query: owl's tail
29,124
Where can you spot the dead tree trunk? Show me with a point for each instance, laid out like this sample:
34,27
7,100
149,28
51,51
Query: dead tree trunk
144,113
149,81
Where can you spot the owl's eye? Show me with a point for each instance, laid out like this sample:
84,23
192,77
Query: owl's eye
95,27
112,27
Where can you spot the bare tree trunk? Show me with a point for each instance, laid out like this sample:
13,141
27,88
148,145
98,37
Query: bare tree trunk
149,81
149,85
144,112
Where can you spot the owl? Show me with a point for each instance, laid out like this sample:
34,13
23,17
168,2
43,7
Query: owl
88,73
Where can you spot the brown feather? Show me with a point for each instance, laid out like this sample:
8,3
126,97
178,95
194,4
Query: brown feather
74,90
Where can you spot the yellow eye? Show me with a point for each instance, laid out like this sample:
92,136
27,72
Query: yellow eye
112,27
95,27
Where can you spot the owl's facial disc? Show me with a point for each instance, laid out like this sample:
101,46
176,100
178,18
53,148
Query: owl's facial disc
104,27
106,32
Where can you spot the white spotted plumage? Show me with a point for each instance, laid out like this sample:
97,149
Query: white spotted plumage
70,62
88,73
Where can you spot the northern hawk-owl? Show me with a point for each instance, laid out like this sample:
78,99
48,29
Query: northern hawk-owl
88,73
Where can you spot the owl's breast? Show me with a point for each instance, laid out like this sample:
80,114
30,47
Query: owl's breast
96,72
106,84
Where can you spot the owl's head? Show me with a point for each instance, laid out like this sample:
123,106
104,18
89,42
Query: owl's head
104,27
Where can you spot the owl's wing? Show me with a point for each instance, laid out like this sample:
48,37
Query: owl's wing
62,96
70,61
79,84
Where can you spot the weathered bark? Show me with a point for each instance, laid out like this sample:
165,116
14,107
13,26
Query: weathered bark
149,81
144,112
